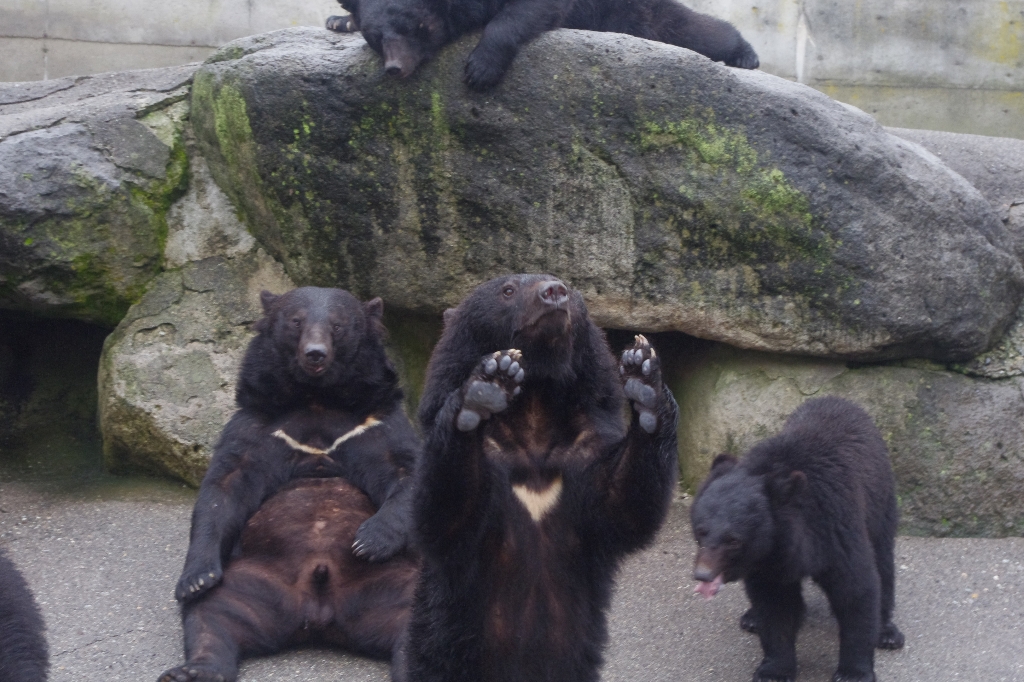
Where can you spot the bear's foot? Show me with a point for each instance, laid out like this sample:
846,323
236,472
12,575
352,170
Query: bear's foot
839,677
489,390
196,582
640,370
194,673
341,24
890,637
748,622
485,67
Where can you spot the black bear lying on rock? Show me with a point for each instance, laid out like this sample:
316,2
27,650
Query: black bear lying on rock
817,500
313,470
23,652
408,32
531,487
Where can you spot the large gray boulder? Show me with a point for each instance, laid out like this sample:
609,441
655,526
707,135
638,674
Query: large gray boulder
956,442
674,192
88,169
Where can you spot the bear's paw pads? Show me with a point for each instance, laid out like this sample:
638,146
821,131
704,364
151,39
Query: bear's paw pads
640,370
341,24
379,538
192,673
194,584
890,637
489,390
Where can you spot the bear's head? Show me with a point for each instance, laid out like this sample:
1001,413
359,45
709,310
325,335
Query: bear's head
315,340
539,315
405,34
734,520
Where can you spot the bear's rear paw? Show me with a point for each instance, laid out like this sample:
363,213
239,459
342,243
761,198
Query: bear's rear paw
640,370
890,637
379,538
196,582
748,622
193,673
490,388
342,24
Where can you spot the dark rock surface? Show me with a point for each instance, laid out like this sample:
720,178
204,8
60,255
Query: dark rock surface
674,192
88,169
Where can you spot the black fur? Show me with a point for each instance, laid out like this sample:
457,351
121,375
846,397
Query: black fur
504,596
408,32
817,500
256,581
23,652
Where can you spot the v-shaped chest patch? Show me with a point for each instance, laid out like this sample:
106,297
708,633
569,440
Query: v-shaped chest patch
357,431
539,502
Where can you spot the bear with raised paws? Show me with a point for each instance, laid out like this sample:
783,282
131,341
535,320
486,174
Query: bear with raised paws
301,527
532,487
817,500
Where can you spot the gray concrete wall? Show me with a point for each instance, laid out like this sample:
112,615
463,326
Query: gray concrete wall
951,65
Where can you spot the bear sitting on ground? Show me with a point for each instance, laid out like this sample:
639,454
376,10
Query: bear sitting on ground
23,650
306,496
408,32
531,487
817,500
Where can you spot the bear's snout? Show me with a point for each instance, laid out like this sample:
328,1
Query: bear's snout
553,293
316,353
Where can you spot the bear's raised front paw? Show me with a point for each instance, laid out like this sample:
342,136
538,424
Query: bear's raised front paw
192,673
490,388
890,637
379,538
484,69
195,583
640,370
341,23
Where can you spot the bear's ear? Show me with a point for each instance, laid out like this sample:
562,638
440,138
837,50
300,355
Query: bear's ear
267,299
784,489
449,316
374,308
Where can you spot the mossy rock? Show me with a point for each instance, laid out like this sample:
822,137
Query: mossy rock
675,193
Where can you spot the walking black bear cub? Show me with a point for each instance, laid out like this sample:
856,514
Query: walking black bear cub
24,656
408,32
306,497
531,487
817,500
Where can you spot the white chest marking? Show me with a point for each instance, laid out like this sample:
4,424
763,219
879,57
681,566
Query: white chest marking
357,431
539,503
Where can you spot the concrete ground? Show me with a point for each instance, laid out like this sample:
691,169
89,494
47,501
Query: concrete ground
103,556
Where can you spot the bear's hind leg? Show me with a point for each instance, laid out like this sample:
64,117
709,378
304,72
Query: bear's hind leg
854,595
371,619
778,610
890,636
249,613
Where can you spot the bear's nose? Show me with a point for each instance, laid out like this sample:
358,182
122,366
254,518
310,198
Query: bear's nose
316,353
393,69
554,293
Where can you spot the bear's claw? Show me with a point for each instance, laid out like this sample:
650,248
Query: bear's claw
490,388
187,673
192,585
641,375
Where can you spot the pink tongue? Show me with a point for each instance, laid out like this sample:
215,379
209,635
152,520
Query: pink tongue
709,589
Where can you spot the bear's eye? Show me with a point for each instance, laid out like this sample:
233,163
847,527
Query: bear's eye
336,327
296,322
508,291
